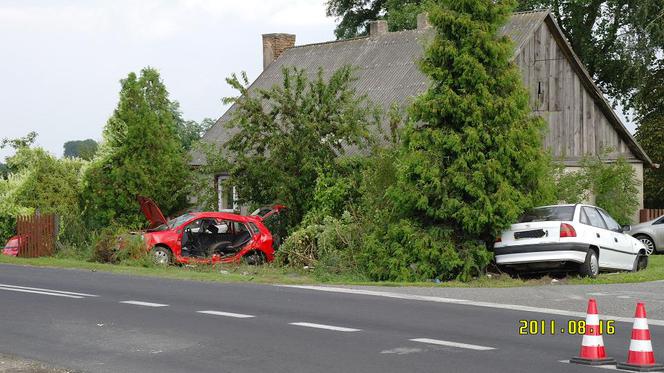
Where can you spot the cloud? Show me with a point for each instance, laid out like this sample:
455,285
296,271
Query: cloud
153,19
64,58
142,19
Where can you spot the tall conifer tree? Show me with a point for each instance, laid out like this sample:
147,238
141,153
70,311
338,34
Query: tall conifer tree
140,155
472,158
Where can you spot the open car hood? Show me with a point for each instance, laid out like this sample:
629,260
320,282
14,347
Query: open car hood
151,212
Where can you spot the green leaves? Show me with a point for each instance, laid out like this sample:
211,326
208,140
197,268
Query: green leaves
41,182
650,135
612,185
354,15
141,154
286,136
472,156
83,149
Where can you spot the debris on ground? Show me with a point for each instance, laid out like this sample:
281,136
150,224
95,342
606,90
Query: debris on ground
15,364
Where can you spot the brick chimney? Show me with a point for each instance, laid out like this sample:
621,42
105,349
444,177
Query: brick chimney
377,28
274,45
423,21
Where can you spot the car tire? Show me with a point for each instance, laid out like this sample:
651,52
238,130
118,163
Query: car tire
161,255
590,268
640,262
648,242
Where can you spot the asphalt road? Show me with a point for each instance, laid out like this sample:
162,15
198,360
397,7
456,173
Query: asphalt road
101,322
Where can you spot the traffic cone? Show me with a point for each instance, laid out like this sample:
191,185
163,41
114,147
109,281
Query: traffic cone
592,345
640,358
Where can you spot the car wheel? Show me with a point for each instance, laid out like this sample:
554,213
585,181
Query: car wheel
590,268
161,255
648,242
254,257
640,263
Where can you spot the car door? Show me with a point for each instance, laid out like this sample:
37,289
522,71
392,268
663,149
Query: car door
596,233
189,238
622,252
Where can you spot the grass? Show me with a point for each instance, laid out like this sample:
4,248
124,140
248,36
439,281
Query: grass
269,274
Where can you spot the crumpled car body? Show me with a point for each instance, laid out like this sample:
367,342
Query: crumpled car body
12,246
208,237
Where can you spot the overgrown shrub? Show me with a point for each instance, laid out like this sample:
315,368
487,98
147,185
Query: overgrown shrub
284,136
407,252
330,246
40,181
9,209
105,245
117,246
612,184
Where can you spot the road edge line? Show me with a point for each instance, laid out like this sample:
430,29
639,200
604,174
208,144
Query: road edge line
428,298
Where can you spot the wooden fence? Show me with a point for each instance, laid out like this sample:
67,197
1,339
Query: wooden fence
37,235
650,214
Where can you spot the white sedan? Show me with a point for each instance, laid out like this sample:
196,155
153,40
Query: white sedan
573,237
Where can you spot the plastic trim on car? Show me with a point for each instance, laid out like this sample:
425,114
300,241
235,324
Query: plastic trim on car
556,246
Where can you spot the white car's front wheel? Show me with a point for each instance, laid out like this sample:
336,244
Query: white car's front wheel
590,268
640,262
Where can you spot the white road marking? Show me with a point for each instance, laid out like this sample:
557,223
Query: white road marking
48,290
146,304
426,298
402,351
323,326
40,292
227,314
452,344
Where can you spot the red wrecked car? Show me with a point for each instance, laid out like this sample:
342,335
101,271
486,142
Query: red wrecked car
11,248
209,237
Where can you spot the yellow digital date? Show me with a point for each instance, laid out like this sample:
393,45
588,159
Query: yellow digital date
572,327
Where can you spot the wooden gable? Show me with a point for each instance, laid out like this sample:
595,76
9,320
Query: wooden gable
580,120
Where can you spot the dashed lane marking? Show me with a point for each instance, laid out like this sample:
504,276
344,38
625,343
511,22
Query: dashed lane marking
227,314
452,344
323,326
146,304
56,293
41,292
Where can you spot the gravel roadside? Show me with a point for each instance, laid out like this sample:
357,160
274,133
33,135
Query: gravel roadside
15,364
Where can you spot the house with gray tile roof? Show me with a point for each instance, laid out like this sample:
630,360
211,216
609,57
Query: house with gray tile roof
581,121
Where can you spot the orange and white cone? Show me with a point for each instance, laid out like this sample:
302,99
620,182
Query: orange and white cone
640,358
592,345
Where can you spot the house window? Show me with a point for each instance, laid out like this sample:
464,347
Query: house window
226,196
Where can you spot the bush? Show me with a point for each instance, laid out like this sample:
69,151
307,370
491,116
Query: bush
117,246
330,246
42,181
613,185
286,135
407,252
9,209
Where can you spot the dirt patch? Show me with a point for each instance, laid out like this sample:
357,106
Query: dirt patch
15,364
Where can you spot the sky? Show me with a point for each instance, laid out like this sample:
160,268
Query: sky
61,60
